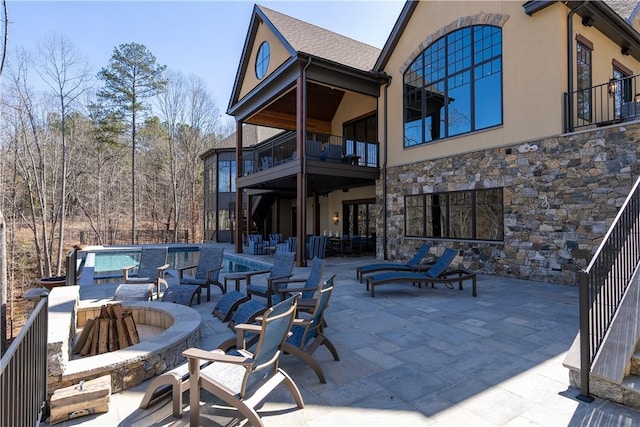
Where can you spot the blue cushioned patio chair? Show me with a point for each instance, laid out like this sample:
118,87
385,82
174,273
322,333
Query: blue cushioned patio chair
307,302
281,270
256,245
243,378
207,271
438,273
307,332
150,269
394,266
307,335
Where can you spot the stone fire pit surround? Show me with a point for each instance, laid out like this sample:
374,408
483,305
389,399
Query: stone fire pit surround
130,366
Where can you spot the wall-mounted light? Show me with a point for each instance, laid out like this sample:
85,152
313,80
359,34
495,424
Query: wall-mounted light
336,218
625,51
612,86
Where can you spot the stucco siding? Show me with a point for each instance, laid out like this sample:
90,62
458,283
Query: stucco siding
278,55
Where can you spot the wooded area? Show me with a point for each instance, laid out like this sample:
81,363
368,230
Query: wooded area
109,150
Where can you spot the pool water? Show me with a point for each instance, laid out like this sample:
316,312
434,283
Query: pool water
108,263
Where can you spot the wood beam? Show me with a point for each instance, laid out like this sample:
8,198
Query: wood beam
289,122
239,191
301,178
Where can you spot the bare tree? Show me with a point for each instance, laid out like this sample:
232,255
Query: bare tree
131,77
34,160
66,73
191,117
4,22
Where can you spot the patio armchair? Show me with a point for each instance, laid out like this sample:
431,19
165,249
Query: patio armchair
316,246
275,239
257,245
150,269
289,245
306,302
281,270
241,378
437,273
207,270
307,333
394,266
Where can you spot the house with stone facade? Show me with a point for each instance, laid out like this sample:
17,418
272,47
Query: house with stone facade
504,129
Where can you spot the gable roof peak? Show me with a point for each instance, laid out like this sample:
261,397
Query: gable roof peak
313,40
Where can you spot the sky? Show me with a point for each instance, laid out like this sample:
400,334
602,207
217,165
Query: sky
204,38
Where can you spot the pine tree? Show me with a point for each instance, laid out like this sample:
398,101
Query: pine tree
131,78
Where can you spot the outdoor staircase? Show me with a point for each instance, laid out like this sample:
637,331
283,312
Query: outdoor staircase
615,373
262,207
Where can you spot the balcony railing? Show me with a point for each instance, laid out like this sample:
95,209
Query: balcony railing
318,146
23,372
615,101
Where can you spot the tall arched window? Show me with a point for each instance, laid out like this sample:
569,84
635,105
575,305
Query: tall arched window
454,86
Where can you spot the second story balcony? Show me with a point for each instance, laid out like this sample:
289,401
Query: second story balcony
615,101
344,162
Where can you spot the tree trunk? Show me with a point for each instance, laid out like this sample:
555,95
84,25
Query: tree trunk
3,285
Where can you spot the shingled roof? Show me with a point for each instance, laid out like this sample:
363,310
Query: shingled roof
625,8
319,42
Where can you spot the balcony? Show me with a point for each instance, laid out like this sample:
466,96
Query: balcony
616,101
331,162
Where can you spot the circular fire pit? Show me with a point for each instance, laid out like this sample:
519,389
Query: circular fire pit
176,327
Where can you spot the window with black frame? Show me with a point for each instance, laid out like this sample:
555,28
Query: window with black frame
454,86
226,176
583,65
461,215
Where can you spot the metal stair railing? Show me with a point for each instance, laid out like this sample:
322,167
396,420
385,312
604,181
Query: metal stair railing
603,284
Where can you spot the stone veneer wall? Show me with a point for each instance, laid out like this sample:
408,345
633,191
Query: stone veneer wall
559,200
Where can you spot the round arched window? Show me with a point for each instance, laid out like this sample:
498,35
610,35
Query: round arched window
262,60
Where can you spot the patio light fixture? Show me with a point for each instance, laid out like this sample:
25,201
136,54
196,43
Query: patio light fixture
336,218
612,86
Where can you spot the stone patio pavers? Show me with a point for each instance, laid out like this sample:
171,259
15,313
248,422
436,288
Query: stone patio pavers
421,357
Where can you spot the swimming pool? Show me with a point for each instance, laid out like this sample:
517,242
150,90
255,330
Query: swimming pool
109,262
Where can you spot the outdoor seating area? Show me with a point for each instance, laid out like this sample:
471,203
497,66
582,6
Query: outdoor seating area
505,344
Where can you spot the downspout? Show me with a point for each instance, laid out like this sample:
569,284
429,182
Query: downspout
384,171
568,100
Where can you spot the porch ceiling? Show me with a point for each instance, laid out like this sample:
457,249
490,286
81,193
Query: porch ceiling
322,104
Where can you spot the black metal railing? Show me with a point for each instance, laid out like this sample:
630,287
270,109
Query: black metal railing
615,101
23,372
123,237
604,282
318,146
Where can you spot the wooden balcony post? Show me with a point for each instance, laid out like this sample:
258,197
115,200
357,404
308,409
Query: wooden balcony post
239,172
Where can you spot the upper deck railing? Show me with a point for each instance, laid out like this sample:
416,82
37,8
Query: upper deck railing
318,146
617,100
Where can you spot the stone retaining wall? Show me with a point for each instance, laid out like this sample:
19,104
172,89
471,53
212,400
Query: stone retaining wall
559,200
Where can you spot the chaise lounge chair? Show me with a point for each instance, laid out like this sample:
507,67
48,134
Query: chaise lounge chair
394,266
438,273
